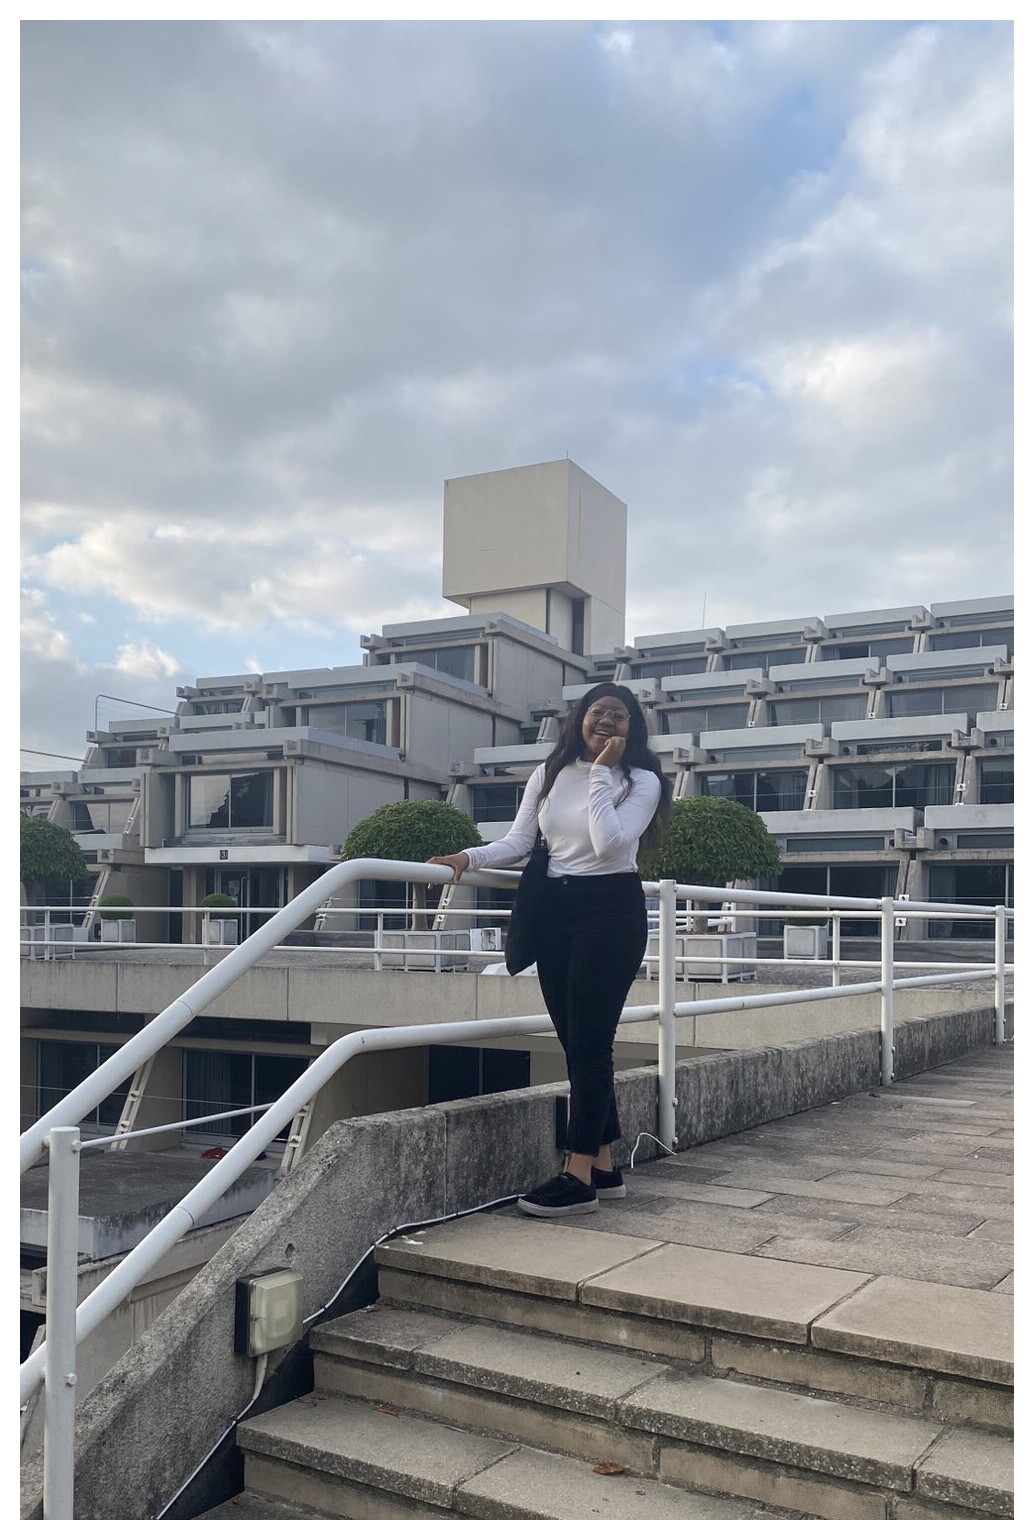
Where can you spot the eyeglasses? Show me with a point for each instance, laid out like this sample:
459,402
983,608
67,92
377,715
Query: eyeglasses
597,714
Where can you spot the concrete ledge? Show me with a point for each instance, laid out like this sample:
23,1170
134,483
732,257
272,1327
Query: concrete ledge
161,1411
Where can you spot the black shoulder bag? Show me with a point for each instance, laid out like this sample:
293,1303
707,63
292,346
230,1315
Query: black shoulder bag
523,930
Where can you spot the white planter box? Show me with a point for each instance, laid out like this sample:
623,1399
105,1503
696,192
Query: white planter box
426,949
118,930
42,940
725,956
810,941
220,932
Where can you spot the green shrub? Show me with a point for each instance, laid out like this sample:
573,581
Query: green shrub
49,854
218,901
412,831
711,841
119,902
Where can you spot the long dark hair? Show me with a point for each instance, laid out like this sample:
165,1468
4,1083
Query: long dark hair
637,753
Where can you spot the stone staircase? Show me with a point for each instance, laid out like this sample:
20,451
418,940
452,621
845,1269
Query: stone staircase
518,1369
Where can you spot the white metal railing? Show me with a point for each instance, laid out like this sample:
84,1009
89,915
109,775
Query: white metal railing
57,1132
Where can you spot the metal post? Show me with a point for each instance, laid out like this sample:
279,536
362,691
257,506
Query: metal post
887,991
47,953
835,980
60,1376
378,941
666,945
1000,934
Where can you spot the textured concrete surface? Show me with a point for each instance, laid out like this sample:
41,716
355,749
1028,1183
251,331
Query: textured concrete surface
930,1325
970,1468
536,1485
894,1185
778,1425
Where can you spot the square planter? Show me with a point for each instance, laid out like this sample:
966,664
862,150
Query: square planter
810,941
118,930
425,950
220,932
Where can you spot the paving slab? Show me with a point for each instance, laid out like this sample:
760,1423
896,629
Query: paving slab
417,1459
810,1432
970,1468
536,1485
757,1296
1005,1287
861,1191
991,1172
888,1217
532,1257
381,1334
573,1376
987,1196
937,1326
688,1223
694,1192
935,1258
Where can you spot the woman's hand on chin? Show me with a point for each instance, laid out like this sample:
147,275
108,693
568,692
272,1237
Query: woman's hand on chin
610,755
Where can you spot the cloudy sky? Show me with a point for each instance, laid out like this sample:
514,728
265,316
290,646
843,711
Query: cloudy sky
280,280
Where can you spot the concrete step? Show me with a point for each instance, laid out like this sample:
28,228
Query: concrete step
347,1459
918,1347
247,1506
805,1453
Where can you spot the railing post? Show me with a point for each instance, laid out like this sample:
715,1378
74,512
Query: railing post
835,980
887,991
666,944
60,1375
1000,934
47,952
378,942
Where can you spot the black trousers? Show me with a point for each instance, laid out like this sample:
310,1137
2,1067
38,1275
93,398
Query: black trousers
593,943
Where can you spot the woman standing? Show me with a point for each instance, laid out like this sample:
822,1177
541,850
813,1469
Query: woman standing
597,795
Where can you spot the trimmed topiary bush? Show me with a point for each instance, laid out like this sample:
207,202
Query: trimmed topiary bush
712,841
411,831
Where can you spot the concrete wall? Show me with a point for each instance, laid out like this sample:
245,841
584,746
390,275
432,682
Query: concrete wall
161,1411
290,989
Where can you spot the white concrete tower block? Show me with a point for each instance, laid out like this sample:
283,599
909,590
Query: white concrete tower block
543,543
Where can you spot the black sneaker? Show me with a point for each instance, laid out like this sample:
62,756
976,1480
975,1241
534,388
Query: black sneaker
563,1194
609,1184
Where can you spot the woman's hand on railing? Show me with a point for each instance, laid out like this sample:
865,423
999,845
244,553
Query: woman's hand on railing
459,863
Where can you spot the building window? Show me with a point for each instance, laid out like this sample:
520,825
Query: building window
787,712
989,636
217,1082
969,883
495,803
764,791
693,719
100,817
578,625
874,785
60,1067
996,780
366,720
231,801
454,1073
459,662
657,668
763,660
926,703
876,652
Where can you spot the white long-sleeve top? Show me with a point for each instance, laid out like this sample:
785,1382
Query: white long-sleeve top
589,831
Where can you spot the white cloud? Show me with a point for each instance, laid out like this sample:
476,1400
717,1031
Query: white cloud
283,279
